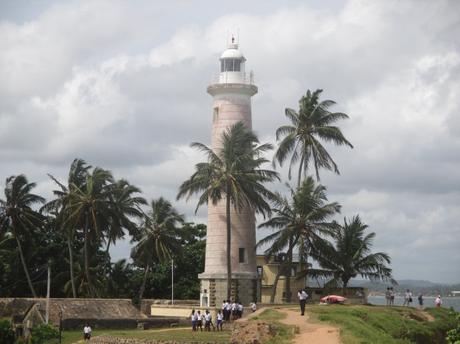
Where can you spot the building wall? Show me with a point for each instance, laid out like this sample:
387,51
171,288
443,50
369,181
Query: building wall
269,272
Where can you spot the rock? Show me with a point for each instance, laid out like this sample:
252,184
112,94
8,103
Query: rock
252,332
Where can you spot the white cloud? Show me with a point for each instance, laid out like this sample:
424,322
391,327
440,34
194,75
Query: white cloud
123,86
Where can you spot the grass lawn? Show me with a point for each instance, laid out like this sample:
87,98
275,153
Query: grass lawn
385,325
180,334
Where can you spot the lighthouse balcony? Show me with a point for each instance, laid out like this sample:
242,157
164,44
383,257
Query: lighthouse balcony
233,82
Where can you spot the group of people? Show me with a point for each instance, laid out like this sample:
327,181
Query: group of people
390,298
229,311
232,310
198,320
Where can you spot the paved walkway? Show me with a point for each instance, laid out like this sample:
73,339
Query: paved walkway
310,333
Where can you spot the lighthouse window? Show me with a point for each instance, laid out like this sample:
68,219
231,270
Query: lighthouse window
215,114
230,65
242,255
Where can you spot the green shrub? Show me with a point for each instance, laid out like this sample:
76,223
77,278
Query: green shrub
453,336
42,333
6,332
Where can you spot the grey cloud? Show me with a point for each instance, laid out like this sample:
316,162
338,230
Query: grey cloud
127,92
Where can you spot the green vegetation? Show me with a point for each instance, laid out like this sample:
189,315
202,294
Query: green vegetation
350,255
42,333
387,325
232,173
453,335
6,332
302,220
185,335
158,236
89,212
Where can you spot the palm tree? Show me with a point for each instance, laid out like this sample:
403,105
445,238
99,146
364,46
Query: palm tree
302,138
304,218
91,208
350,255
126,208
60,206
158,237
17,215
232,173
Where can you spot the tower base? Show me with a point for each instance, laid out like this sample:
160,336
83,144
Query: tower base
214,288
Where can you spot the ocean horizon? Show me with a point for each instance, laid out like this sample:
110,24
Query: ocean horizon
428,301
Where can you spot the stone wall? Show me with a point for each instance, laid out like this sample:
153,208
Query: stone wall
108,313
244,290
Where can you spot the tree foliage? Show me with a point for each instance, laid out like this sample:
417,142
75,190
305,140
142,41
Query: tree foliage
232,174
350,254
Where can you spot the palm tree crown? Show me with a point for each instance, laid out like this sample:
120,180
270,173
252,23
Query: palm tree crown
302,139
302,221
17,215
234,173
158,237
350,255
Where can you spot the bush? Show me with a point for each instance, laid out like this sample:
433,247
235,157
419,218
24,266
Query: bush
6,332
42,333
453,336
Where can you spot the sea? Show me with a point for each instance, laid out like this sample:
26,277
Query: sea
428,301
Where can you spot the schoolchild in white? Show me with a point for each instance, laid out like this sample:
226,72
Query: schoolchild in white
220,320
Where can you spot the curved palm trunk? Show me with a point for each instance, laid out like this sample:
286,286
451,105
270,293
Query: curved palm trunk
88,277
229,246
72,278
23,261
144,281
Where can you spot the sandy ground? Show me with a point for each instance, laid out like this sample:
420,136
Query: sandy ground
309,332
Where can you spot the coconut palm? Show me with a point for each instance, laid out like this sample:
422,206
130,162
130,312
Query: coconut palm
60,207
17,215
302,139
232,173
303,218
158,236
126,209
350,255
91,208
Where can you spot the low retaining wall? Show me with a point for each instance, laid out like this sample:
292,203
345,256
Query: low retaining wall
146,304
182,312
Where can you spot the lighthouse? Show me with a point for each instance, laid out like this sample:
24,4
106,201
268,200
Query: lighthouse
231,90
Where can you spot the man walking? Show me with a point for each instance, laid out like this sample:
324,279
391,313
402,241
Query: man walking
302,295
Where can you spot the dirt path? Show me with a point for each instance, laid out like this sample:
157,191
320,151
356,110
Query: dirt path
308,332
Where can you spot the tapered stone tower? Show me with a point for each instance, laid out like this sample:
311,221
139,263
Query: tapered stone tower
231,91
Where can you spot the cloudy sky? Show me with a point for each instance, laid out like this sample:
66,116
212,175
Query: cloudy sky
122,84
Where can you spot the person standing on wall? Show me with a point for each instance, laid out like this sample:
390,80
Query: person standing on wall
302,295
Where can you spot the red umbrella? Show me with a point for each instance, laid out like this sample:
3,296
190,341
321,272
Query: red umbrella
333,299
